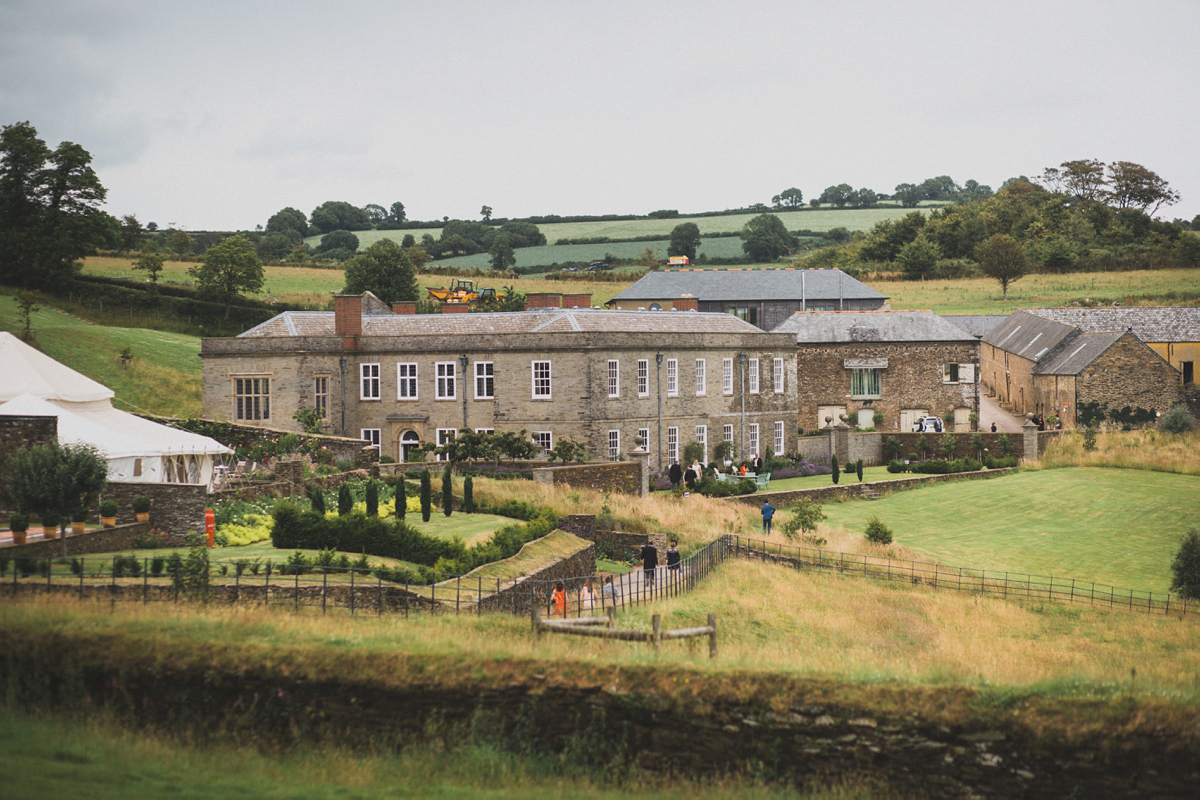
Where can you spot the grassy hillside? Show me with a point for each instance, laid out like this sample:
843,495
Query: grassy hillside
1118,527
163,378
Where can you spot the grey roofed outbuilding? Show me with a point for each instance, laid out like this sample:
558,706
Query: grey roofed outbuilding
1150,324
731,285
1076,352
1028,335
975,324
871,326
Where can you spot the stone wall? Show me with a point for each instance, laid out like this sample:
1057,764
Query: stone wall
962,444
615,476
913,379
848,490
176,508
1129,373
102,540
19,432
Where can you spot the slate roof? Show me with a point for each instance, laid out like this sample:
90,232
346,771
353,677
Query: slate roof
1076,352
544,320
871,326
975,324
1158,324
1028,335
749,284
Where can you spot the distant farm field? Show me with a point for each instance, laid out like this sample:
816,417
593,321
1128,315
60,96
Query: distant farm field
813,219
724,247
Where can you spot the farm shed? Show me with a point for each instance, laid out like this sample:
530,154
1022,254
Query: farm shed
763,297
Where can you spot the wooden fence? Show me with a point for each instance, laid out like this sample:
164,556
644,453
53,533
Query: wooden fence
993,583
591,626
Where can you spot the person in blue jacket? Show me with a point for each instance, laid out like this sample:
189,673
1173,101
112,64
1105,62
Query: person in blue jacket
768,511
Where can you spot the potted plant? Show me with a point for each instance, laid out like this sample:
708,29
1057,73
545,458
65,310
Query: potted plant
141,508
79,520
18,523
108,513
50,525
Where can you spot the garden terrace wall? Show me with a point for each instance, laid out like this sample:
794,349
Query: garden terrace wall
526,591
822,494
103,540
962,443
175,508
20,432
585,527
616,476
231,434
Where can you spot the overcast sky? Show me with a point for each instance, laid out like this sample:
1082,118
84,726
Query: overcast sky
214,115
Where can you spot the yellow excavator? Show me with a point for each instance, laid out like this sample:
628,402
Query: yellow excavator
463,291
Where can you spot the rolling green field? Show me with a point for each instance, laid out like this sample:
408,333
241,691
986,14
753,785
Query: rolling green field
725,247
813,219
1117,527
164,377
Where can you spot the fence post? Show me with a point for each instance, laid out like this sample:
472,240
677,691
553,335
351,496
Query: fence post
82,569
297,593
611,613
407,595
145,581
535,620
379,597
237,584
324,588
457,593
432,594
479,596
712,635
656,626
352,591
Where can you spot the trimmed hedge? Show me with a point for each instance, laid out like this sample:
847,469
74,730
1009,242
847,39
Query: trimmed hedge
298,529
942,467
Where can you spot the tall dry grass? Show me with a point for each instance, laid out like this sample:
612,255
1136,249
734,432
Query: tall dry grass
694,520
1147,449
771,619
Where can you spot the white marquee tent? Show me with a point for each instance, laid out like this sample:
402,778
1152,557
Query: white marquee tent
137,450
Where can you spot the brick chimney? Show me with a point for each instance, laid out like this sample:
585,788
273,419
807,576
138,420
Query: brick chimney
576,301
455,308
347,319
686,303
543,300
405,307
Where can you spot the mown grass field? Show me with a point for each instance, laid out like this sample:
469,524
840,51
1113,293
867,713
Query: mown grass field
724,247
164,377
1113,526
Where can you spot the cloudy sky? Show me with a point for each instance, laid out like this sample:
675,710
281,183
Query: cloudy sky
214,115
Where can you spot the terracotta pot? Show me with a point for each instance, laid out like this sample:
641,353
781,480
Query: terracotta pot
143,516
108,522
18,537
78,527
50,531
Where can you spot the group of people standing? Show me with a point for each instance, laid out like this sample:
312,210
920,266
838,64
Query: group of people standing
609,594
695,472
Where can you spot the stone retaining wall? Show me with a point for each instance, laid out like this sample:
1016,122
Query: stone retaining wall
616,476
103,540
822,494
528,590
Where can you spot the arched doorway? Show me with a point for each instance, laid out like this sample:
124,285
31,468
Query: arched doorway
409,440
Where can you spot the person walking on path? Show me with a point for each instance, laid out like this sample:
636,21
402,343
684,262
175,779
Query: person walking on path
768,511
673,557
689,478
560,600
587,596
609,592
649,563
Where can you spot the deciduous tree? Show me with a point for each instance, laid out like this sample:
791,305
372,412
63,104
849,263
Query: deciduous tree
335,215
132,233
1003,258
765,238
230,266
502,258
486,213
150,262
49,209
1133,186
685,240
180,243
1185,569
838,195
792,198
385,270
919,259
908,195
287,220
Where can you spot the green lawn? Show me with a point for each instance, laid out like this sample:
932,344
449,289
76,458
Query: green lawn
164,377
1118,527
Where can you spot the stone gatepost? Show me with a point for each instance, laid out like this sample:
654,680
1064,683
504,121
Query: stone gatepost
1029,439
641,455
839,441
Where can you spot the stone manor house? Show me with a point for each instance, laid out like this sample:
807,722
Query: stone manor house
601,377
